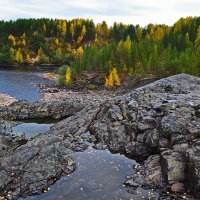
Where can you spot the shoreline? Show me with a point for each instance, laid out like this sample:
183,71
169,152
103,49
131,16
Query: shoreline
30,65
6,100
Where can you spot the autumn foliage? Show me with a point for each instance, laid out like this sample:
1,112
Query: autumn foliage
112,79
68,76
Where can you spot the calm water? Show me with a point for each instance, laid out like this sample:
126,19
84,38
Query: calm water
99,176
31,129
20,82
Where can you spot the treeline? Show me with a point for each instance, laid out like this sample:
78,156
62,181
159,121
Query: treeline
154,49
146,57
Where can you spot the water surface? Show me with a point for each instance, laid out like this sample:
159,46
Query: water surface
31,129
20,82
99,176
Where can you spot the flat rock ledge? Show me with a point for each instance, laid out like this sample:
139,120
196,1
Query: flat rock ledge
158,125
20,109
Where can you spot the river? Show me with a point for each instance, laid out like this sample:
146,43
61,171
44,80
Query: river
21,82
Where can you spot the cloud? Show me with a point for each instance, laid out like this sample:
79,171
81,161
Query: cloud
129,11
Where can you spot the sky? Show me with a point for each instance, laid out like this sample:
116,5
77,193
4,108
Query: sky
134,12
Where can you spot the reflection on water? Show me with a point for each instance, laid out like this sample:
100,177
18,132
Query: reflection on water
31,129
99,176
20,82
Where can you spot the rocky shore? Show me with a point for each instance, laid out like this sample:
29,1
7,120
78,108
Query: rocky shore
6,100
158,125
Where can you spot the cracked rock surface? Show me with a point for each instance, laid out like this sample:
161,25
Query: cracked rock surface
158,125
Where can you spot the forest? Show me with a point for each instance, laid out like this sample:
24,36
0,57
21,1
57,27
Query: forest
157,50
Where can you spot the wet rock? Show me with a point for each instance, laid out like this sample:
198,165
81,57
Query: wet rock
138,150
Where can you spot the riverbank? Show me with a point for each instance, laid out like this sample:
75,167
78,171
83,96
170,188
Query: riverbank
6,100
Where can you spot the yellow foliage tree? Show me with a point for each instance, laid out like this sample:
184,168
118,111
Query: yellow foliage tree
12,38
68,76
113,79
18,56
78,54
64,28
109,82
116,78
69,47
72,30
56,42
28,59
23,39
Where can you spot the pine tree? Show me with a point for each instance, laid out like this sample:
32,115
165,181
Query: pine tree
197,41
138,33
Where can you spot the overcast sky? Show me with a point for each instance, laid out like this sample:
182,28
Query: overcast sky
127,11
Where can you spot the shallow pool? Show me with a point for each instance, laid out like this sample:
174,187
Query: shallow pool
32,129
99,175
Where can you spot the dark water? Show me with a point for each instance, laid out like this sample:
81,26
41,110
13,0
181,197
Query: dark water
99,176
20,82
